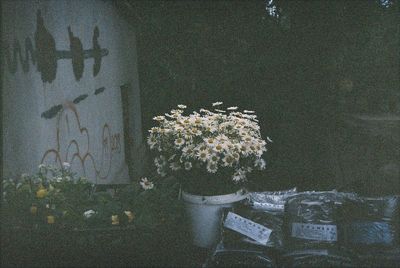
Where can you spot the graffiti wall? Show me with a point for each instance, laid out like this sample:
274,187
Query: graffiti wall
64,63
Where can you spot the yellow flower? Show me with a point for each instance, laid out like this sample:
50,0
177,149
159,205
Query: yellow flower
33,209
41,193
50,219
114,220
130,215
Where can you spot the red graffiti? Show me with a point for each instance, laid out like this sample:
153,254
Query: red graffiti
73,145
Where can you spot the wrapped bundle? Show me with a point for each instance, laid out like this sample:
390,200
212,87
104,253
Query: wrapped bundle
250,238
313,218
373,230
374,221
264,209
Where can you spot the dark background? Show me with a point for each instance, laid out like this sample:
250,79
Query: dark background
300,69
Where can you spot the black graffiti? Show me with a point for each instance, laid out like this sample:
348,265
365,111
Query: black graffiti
99,90
12,64
80,98
45,54
45,50
52,112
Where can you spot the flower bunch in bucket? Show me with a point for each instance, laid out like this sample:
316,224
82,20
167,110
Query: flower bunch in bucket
211,151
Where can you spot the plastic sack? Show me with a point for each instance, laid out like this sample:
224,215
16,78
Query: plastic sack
269,201
224,256
313,219
374,222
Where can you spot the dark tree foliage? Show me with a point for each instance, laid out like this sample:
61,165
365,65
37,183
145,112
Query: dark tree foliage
287,67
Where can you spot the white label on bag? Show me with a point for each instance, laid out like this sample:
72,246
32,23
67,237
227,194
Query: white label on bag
247,227
320,232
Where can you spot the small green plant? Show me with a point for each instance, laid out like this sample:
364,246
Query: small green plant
57,197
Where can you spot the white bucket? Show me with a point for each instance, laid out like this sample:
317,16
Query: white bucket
205,215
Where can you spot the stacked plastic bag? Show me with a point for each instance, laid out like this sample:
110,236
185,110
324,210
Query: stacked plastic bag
252,232
309,229
373,232
314,232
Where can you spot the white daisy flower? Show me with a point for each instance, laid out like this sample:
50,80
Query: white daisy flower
188,165
236,178
176,111
204,111
181,106
159,118
175,166
188,151
203,155
210,141
228,160
245,149
247,138
249,112
161,171
212,167
218,147
213,158
260,163
159,161
89,213
232,108
179,128
146,184
217,103
179,142
239,175
152,141
196,132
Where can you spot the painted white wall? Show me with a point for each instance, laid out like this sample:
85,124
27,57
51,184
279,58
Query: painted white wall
88,134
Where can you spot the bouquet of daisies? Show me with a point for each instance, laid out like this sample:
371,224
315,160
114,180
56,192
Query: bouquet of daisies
211,152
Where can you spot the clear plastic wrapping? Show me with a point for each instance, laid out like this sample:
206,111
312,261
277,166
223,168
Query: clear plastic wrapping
372,231
315,229
269,201
374,221
313,219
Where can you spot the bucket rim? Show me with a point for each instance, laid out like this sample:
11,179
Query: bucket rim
215,199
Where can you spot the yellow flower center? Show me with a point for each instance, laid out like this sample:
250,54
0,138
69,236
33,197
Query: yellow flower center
50,219
41,193
33,210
